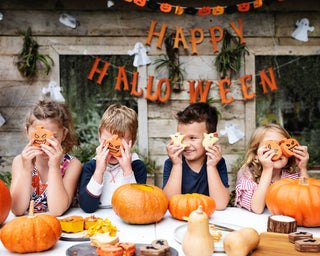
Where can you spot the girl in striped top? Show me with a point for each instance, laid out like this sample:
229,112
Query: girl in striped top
259,171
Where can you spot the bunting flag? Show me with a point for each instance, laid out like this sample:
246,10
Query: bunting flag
201,11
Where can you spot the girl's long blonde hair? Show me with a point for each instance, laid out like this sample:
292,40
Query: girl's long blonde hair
251,160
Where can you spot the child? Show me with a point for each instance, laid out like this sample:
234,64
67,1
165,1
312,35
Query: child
195,169
259,171
46,174
102,175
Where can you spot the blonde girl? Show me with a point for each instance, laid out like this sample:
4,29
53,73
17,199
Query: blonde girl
259,171
46,174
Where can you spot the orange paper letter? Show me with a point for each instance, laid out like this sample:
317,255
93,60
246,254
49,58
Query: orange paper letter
224,91
95,69
152,33
265,79
245,87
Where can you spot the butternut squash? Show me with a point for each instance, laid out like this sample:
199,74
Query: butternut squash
197,241
241,242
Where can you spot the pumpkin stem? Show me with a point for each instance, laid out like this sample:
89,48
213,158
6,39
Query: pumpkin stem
303,181
31,209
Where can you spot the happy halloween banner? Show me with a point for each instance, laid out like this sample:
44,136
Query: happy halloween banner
197,90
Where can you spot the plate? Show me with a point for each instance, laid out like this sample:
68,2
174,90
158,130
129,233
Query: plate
218,246
85,249
79,236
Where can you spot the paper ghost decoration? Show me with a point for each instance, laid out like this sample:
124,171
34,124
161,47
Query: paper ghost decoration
54,90
68,20
2,120
141,58
1,16
110,3
301,32
232,131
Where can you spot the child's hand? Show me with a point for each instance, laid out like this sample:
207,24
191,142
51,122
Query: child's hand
214,155
302,157
125,158
175,152
264,156
54,152
28,156
102,157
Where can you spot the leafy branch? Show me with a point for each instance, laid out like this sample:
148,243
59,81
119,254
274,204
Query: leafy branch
29,56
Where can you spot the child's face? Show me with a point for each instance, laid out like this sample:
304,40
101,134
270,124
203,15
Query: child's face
272,135
58,132
105,135
193,137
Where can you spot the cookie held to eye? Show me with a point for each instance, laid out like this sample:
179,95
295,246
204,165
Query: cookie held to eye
274,145
209,140
177,139
40,136
287,146
115,145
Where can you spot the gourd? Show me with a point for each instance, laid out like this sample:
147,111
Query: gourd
139,203
241,242
31,233
197,241
5,202
299,199
181,205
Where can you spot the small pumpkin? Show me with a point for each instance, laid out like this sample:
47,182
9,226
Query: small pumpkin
205,10
31,233
139,203
181,205
179,10
140,3
40,136
274,145
287,146
218,10
299,199
243,7
165,7
5,202
115,145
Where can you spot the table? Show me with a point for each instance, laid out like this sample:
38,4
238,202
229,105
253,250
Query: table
164,229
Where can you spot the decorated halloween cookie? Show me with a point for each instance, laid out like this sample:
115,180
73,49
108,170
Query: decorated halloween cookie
115,145
209,139
274,145
287,146
40,136
177,139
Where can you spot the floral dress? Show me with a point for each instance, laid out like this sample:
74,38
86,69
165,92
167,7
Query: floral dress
39,189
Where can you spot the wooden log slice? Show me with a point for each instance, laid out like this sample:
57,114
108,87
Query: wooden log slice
281,224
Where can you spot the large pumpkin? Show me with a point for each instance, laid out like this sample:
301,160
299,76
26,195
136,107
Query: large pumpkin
299,199
139,203
31,233
5,202
181,205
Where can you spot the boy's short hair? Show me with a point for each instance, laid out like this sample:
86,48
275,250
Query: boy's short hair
119,119
199,112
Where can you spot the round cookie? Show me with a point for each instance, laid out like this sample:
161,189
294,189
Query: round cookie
209,139
40,136
274,145
115,145
287,146
109,250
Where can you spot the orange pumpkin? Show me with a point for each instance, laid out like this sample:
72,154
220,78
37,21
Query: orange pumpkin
243,7
5,202
40,136
139,203
218,10
274,145
179,10
31,233
140,3
115,145
287,146
181,205
299,199
165,7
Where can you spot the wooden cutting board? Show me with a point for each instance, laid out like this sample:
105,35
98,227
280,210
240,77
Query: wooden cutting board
278,244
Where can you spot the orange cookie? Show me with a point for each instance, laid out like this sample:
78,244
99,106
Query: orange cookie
287,146
129,249
114,145
274,145
109,250
40,136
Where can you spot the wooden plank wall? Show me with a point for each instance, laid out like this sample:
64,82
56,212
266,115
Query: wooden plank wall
265,31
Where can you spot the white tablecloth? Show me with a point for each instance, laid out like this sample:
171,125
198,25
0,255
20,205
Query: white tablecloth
164,229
